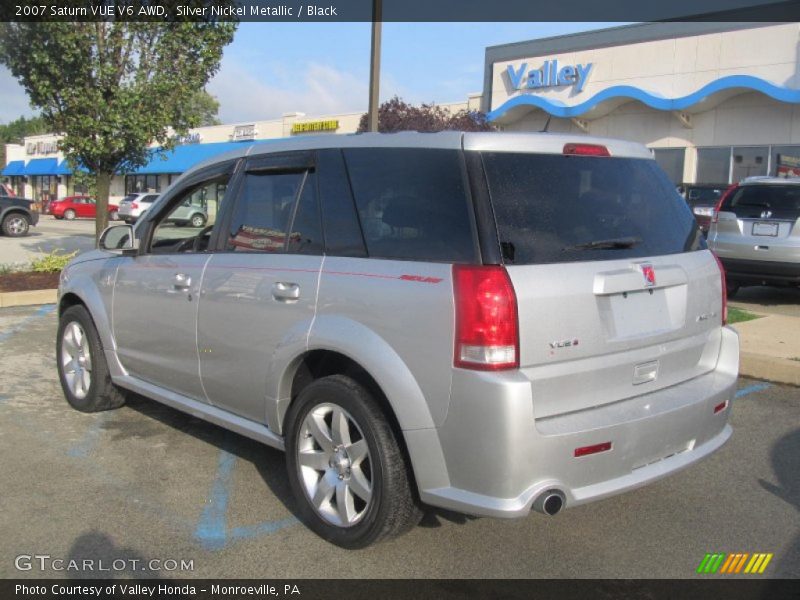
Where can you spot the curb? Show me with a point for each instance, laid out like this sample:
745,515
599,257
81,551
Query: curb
769,368
31,298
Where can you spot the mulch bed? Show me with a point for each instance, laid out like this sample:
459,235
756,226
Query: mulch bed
23,282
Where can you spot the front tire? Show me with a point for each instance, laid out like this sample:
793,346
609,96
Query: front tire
15,225
82,368
113,216
197,220
731,289
69,214
346,467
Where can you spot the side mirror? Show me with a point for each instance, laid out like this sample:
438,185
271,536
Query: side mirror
119,239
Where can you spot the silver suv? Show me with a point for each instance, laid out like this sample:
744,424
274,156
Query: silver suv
755,231
490,323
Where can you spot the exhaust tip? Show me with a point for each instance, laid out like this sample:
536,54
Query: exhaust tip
550,502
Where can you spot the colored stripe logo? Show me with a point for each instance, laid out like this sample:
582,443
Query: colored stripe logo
734,563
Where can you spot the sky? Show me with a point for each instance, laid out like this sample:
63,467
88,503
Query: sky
321,68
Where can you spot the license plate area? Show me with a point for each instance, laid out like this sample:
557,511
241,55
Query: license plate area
765,229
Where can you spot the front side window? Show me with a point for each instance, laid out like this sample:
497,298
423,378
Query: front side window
189,224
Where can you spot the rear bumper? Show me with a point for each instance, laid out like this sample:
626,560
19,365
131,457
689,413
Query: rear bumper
761,271
492,457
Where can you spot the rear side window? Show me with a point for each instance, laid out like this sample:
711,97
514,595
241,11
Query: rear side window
751,201
412,203
554,209
264,212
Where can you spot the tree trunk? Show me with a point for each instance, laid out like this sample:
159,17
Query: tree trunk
103,190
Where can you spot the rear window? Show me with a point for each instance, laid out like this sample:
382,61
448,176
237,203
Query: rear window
554,209
412,203
753,201
704,196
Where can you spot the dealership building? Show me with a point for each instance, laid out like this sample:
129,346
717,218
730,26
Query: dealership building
716,102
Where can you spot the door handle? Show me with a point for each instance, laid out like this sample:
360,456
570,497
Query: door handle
285,291
181,281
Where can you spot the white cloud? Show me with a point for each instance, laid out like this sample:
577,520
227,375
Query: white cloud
314,89
13,99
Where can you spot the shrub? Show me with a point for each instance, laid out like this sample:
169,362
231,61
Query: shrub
52,262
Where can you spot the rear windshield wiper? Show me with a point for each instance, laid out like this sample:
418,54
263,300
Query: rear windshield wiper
612,244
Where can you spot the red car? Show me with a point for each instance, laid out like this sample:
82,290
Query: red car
72,207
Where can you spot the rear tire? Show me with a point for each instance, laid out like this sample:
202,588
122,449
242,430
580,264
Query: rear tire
197,220
731,289
69,214
351,480
15,225
82,368
113,216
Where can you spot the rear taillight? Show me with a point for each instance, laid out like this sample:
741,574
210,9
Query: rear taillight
724,290
487,328
134,205
586,150
718,207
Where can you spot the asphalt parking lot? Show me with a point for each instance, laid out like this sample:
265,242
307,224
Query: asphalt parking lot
146,482
50,234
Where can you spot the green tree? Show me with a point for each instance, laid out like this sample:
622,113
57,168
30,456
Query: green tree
205,106
112,88
15,132
397,115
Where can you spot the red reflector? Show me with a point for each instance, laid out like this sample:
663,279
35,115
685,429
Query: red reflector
586,150
720,407
584,450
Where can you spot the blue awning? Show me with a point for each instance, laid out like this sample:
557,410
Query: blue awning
183,158
63,168
14,169
42,166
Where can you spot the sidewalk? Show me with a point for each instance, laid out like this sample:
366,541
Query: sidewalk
770,348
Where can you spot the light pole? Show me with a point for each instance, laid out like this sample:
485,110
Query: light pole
375,66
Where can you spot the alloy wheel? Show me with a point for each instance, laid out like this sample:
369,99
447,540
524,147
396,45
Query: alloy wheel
334,465
76,360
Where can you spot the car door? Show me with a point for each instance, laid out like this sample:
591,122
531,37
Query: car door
157,293
259,291
89,208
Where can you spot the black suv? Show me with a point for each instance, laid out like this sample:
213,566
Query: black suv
16,216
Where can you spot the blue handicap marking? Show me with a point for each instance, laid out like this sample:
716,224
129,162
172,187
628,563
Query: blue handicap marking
212,530
751,389
43,310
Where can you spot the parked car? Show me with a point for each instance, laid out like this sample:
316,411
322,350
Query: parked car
755,232
132,206
16,216
488,323
84,207
702,198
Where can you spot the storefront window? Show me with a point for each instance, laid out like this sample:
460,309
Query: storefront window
785,161
750,161
142,183
45,189
671,160
713,165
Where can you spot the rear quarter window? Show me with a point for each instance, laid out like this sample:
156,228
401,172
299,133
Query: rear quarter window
412,203
552,208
